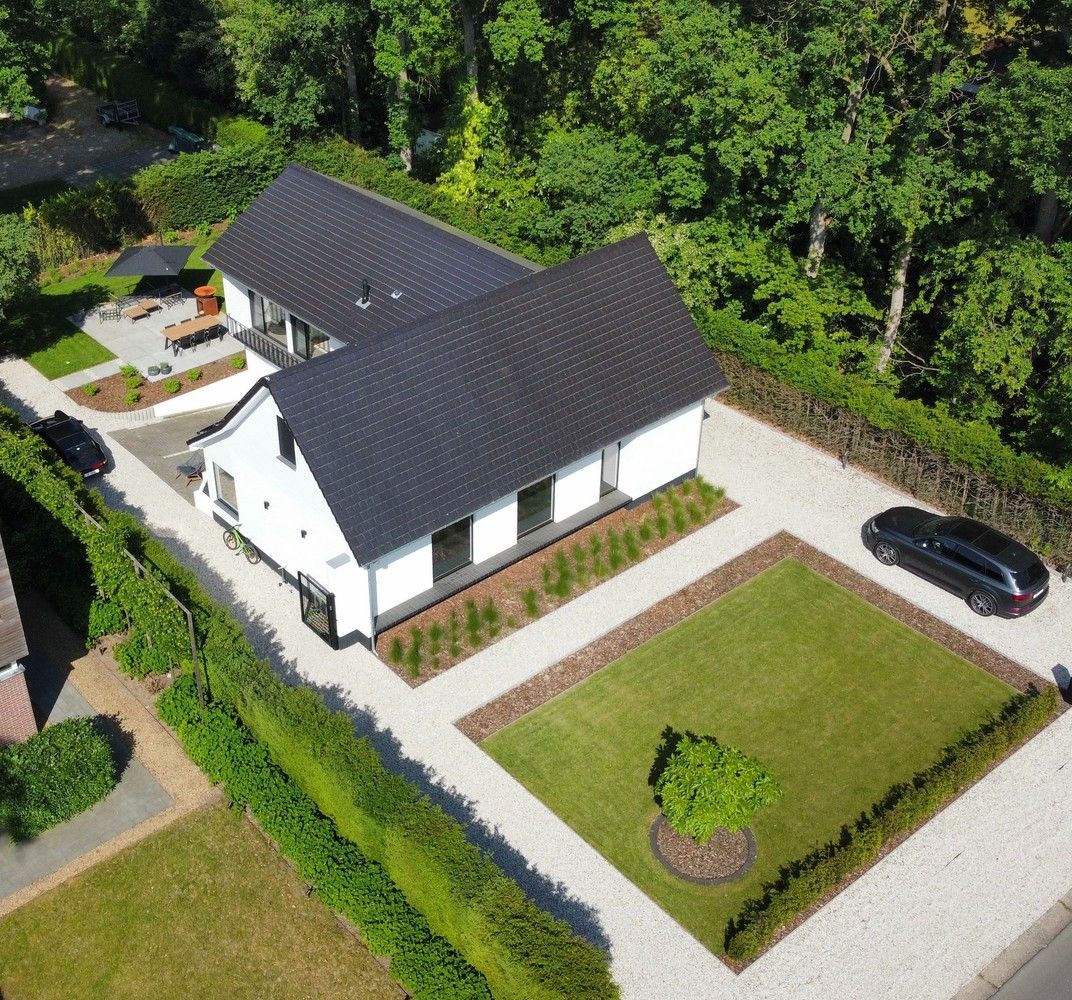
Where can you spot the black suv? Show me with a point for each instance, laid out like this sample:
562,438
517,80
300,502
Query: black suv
995,573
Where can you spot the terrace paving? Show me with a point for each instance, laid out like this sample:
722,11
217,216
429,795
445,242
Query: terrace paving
919,924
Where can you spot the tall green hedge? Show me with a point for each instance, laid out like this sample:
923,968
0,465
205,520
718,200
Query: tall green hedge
161,102
347,881
905,806
54,775
206,187
523,952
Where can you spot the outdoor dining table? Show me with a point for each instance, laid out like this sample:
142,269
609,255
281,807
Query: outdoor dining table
180,333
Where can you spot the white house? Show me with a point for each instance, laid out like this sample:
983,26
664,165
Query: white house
431,409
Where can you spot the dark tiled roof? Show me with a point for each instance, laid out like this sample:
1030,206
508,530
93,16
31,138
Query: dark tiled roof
407,432
309,241
12,638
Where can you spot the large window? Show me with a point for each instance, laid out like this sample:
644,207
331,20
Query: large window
308,340
268,318
452,548
226,493
535,505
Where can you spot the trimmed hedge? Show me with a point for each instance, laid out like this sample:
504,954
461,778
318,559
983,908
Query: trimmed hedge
971,443
467,899
425,964
161,102
206,187
803,882
56,774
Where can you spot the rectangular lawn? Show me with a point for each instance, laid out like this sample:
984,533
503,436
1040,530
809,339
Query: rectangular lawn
837,698
205,908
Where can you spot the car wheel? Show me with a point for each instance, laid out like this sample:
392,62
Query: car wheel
982,603
887,554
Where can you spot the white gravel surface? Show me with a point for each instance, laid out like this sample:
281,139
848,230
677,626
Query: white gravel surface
919,924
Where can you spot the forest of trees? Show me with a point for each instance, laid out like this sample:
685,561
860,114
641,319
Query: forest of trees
883,185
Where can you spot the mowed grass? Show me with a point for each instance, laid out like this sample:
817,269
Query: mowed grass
203,909
40,332
838,699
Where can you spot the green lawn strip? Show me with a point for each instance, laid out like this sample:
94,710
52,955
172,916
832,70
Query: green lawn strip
204,908
837,698
40,332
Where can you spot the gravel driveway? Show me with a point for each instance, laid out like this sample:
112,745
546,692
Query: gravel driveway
73,146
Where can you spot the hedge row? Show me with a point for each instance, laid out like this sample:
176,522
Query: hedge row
802,883
973,444
54,775
425,964
522,951
161,102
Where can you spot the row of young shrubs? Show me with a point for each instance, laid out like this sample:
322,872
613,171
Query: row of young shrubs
904,807
54,775
521,950
348,882
601,555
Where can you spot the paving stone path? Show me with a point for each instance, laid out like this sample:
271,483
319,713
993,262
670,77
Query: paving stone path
919,924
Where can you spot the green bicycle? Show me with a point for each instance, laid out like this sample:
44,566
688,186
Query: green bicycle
237,543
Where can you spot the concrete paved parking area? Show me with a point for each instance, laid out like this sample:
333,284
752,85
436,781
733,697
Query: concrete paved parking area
162,447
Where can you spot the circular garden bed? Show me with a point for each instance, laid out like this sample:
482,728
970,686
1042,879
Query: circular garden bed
724,858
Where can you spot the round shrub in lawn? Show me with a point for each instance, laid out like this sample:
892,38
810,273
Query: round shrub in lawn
53,776
705,786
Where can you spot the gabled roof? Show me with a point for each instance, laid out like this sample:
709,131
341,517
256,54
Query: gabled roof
308,242
407,432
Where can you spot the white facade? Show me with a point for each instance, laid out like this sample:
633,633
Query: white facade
281,509
660,453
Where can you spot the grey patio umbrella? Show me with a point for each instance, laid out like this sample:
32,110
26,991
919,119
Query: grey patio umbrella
156,260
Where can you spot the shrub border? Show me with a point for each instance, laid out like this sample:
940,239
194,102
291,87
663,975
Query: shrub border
530,695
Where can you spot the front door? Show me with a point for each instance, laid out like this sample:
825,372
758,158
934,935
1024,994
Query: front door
609,475
318,609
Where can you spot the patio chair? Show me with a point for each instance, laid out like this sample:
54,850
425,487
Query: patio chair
108,311
171,299
193,473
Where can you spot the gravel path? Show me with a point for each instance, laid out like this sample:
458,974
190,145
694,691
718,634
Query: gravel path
919,924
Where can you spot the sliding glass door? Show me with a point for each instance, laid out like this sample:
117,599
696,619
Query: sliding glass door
269,319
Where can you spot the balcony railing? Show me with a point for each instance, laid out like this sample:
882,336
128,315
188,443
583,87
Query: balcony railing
267,348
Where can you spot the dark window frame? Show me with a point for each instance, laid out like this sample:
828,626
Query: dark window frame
303,338
535,526
217,470
260,318
438,572
287,451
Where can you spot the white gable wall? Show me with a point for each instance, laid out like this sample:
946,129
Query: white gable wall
577,486
661,452
248,448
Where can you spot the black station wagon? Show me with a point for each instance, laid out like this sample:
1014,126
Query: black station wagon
994,573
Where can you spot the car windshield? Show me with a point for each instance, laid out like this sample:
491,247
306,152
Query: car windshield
929,527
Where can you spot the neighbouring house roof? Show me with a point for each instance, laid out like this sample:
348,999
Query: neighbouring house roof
12,639
409,431
308,243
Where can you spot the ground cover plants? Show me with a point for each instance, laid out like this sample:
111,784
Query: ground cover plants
481,615
840,701
238,925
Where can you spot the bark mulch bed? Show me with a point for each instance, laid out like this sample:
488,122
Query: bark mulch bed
505,590
113,389
725,857
498,714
